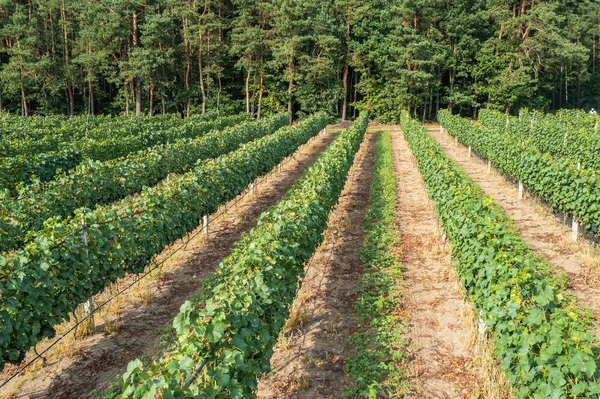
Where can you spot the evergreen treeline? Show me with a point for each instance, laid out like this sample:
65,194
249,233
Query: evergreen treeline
184,56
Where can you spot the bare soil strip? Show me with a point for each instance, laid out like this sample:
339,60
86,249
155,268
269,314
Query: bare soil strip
309,359
542,231
440,323
133,326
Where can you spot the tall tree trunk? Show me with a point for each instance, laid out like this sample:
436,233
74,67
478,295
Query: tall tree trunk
594,54
131,89
188,69
410,94
355,93
437,102
201,75
138,83
220,90
164,79
90,97
260,94
560,94
24,110
345,85
188,64
138,97
578,91
566,88
430,105
291,86
150,106
126,94
452,78
253,102
346,71
70,98
90,85
68,80
248,91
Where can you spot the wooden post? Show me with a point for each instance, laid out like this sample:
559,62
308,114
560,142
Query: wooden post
575,228
279,167
205,224
252,188
482,327
489,166
521,189
441,129
469,154
87,326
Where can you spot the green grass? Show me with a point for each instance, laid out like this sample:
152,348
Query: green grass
378,362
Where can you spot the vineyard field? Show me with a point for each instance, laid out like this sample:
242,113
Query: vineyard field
299,199
122,238
520,301
43,165
96,183
402,248
559,182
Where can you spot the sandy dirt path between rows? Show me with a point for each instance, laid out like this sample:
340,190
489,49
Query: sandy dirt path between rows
309,359
81,366
440,323
542,231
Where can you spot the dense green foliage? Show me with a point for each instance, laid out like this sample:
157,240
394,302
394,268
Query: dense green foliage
544,340
568,133
559,182
188,56
118,138
94,183
37,134
378,364
43,282
43,167
232,328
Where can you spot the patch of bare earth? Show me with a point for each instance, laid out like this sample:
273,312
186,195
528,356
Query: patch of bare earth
309,358
132,325
440,322
545,234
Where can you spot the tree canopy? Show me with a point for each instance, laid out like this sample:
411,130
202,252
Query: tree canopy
263,56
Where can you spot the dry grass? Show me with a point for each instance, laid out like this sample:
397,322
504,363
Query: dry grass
494,385
9,395
70,347
87,326
298,315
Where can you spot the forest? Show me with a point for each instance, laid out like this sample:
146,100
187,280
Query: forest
125,57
